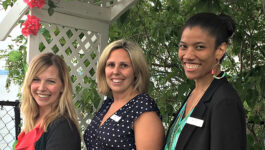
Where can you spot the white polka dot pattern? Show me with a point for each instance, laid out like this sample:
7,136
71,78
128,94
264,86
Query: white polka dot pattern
117,135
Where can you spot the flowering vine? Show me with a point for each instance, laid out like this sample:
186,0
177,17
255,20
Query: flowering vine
31,26
35,3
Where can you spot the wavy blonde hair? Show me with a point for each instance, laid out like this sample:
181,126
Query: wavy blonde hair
63,107
140,68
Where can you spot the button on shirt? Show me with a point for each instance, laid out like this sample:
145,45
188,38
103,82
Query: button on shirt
116,132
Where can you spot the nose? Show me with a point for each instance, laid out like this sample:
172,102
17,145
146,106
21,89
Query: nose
42,86
116,70
188,54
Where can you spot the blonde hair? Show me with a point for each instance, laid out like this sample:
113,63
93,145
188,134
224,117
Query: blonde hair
139,65
63,107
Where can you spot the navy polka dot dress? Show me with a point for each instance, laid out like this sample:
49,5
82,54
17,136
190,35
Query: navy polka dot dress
116,132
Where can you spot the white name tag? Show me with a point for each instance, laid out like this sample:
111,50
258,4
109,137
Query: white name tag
115,118
195,121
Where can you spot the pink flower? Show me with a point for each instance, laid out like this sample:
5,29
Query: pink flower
35,3
31,26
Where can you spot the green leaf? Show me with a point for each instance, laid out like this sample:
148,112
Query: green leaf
14,56
50,11
25,66
15,144
51,4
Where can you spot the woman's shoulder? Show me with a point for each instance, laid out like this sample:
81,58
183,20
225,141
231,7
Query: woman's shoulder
61,120
143,99
63,134
227,90
144,102
226,93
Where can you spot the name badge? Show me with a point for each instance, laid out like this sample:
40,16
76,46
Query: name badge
195,121
115,118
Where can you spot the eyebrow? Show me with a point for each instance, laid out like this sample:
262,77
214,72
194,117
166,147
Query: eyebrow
51,78
119,62
194,43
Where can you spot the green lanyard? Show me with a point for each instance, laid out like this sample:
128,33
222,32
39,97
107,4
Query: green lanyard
176,129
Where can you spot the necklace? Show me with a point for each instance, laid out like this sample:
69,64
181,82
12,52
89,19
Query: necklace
176,129
194,98
192,102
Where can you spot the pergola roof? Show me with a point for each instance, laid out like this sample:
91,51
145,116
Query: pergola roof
94,10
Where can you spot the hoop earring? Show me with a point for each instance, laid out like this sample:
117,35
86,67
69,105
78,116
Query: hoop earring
212,72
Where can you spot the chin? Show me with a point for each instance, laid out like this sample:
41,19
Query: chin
190,76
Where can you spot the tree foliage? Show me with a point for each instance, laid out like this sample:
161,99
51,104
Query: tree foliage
156,26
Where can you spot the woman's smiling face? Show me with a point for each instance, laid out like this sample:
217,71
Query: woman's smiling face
46,87
197,52
119,72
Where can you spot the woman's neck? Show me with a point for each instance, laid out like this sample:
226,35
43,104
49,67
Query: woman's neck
43,112
121,97
202,84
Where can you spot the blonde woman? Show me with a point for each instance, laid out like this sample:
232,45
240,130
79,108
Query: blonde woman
128,119
50,120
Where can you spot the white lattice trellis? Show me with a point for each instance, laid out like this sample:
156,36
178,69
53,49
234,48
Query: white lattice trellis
80,50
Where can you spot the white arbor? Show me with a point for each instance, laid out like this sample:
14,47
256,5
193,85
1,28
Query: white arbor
78,31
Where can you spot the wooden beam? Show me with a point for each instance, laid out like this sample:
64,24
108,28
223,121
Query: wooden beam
12,17
118,9
82,10
70,21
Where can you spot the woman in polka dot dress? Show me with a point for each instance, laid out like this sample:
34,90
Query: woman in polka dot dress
128,119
